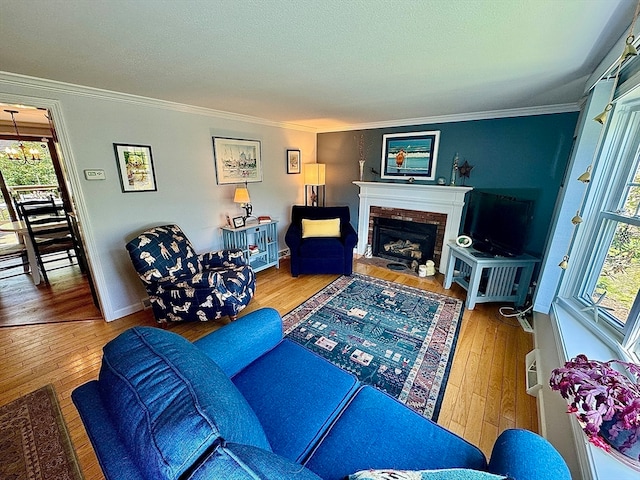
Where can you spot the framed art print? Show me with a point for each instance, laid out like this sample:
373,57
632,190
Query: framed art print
237,160
293,161
410,155
135,167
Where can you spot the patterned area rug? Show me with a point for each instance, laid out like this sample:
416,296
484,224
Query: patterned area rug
34,441
397,338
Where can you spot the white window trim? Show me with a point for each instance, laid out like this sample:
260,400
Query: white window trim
607,183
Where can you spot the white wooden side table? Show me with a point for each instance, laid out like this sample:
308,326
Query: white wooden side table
489,278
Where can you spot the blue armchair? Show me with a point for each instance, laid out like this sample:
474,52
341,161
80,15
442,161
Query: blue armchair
185,286
321,254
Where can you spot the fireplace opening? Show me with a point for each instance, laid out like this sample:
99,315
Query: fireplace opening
409,243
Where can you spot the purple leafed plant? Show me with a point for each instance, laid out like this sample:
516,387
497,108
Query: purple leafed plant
596,392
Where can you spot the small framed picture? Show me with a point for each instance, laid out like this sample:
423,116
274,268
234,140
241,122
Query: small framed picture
135,166
238,222
293,161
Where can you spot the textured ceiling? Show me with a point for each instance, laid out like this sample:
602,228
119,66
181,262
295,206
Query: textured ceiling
319,63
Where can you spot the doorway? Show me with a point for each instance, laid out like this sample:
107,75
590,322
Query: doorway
31,169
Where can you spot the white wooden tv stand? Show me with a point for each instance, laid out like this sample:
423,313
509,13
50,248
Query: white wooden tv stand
489,278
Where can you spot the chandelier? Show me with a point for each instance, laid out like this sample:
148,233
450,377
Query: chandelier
21,153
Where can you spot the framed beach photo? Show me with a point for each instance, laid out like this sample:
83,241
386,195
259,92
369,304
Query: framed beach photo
237,160
293,161
135,167
410,155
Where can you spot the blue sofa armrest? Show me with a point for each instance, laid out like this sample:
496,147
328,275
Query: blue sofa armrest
112,454
524,455
241,342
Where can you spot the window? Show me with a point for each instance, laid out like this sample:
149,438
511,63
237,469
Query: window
606,253
618,274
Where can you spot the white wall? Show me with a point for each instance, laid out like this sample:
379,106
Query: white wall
89,122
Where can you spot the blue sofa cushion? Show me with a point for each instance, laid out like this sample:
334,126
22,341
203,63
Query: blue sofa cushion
321,247
243,462
376,431
296,394
170,402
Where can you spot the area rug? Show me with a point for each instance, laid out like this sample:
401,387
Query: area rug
34,441
397,338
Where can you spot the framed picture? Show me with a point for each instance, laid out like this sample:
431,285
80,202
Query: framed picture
238,222
410,155
135,166
293,161
237,160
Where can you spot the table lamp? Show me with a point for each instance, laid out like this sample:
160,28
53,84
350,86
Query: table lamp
241,196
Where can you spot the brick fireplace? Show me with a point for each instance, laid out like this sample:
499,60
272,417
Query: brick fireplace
424,204
402,219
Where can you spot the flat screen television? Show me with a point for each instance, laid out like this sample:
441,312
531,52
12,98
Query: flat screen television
498,224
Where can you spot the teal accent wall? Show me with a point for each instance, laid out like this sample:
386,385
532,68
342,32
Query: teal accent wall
525,154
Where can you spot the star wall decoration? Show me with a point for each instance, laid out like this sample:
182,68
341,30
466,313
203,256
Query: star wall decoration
464,170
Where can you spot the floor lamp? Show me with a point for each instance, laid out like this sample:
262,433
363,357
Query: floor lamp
314,176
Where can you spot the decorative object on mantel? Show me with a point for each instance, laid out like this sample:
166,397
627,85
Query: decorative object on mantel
602,118
362,151
442,181
465,171
454,169
605,397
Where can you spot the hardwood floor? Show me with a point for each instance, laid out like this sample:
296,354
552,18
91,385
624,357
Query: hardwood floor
67,297
485,393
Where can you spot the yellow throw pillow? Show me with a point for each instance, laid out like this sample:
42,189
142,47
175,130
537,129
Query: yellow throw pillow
320,228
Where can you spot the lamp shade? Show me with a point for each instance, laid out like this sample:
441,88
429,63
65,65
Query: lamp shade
313,173
241,195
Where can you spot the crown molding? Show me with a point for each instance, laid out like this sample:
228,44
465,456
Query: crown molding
462,117
92,92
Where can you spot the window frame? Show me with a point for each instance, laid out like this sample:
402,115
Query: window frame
605,194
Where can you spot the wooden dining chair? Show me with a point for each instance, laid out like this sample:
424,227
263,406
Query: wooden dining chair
50,231
13,256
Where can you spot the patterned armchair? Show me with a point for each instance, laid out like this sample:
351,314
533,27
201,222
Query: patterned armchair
185,286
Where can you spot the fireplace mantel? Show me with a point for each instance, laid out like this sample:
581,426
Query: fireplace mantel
410,196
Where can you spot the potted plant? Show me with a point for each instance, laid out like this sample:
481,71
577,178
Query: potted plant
605,397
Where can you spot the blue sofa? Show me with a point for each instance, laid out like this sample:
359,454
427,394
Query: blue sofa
244,403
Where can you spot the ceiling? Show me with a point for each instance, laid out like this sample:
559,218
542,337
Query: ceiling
323,64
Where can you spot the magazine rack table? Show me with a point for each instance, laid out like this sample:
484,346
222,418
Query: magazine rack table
489,278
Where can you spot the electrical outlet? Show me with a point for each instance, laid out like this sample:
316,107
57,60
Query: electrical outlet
146,303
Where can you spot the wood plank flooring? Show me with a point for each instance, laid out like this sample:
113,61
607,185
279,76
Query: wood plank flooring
485,393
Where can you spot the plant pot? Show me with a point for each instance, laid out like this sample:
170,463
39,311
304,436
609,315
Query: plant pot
617,443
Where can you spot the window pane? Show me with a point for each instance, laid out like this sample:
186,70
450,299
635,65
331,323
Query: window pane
620,274
632,203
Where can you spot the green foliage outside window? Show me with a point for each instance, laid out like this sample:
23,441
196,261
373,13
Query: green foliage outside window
17,173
